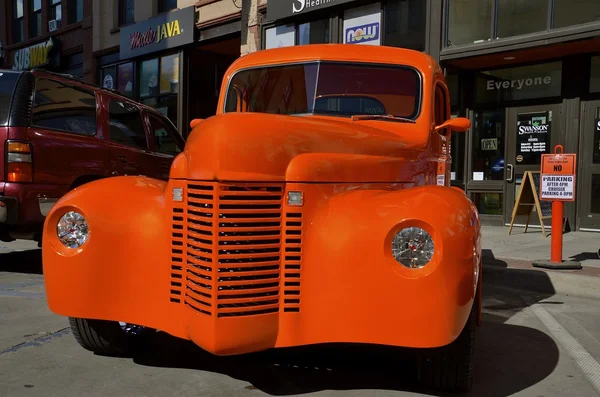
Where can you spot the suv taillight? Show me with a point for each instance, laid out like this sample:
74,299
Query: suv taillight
19,164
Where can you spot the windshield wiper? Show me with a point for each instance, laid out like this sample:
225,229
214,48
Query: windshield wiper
390,117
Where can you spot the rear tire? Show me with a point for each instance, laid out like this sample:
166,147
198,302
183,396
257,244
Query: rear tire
450,368
106,338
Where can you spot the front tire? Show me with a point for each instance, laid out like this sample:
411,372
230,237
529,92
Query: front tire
450,367
107,338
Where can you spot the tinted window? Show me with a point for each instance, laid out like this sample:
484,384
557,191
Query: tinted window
7,86
162,133
64,108
126,126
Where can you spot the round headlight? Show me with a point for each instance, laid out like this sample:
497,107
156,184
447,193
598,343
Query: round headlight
72,230
412,247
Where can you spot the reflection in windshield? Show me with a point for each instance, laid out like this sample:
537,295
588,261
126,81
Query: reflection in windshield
329,88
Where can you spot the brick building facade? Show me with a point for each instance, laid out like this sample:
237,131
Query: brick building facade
51,34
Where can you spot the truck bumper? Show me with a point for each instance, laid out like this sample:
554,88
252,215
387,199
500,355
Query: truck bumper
324,273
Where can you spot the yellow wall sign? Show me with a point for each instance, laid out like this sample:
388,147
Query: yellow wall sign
33,57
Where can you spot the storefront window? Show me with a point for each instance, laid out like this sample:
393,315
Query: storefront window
280,36
125,79
119,77
574,12
149,78
488,146
362,25
109,77
526,82
469,21
316,32
595,74
159,84
521,17
488,203
169,74
405,24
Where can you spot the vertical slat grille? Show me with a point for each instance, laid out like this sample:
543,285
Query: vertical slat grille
232,253
200,248
177,255
292,261
249,244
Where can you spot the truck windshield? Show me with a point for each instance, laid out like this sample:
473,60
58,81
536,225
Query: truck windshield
328,88
8,80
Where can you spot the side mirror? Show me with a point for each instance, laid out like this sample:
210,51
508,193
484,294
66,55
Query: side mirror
459,124
195,122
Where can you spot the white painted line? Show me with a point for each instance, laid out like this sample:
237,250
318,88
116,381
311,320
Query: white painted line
588,365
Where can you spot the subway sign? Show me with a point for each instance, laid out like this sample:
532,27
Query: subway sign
34,56
166,31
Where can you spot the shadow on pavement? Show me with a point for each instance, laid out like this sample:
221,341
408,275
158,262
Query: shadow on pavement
516,274
584,256
508,359
27,262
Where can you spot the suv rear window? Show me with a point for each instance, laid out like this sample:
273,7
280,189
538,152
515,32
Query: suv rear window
8,80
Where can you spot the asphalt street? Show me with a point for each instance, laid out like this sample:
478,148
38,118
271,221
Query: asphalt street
529,345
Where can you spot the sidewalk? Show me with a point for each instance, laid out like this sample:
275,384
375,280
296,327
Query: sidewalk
507,261
577,246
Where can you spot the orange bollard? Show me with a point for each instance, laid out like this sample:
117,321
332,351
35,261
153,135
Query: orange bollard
557,164
556,248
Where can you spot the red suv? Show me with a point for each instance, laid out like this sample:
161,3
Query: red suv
59,132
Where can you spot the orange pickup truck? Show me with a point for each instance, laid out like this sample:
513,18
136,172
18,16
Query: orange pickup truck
314,207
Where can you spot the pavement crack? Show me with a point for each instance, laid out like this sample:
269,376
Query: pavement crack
37,342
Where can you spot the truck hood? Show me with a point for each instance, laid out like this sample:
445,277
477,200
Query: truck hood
276,148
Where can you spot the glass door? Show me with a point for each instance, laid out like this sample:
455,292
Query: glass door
485,164
588,171
531,132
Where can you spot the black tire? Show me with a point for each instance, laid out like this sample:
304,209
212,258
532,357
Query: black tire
450,368
105,338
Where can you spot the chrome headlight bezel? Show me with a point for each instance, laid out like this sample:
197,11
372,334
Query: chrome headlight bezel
413,247
72,230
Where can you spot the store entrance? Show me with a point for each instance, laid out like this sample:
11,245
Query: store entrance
530,132
207,64
588,175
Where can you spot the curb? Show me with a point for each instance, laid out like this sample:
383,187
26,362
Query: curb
523,276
